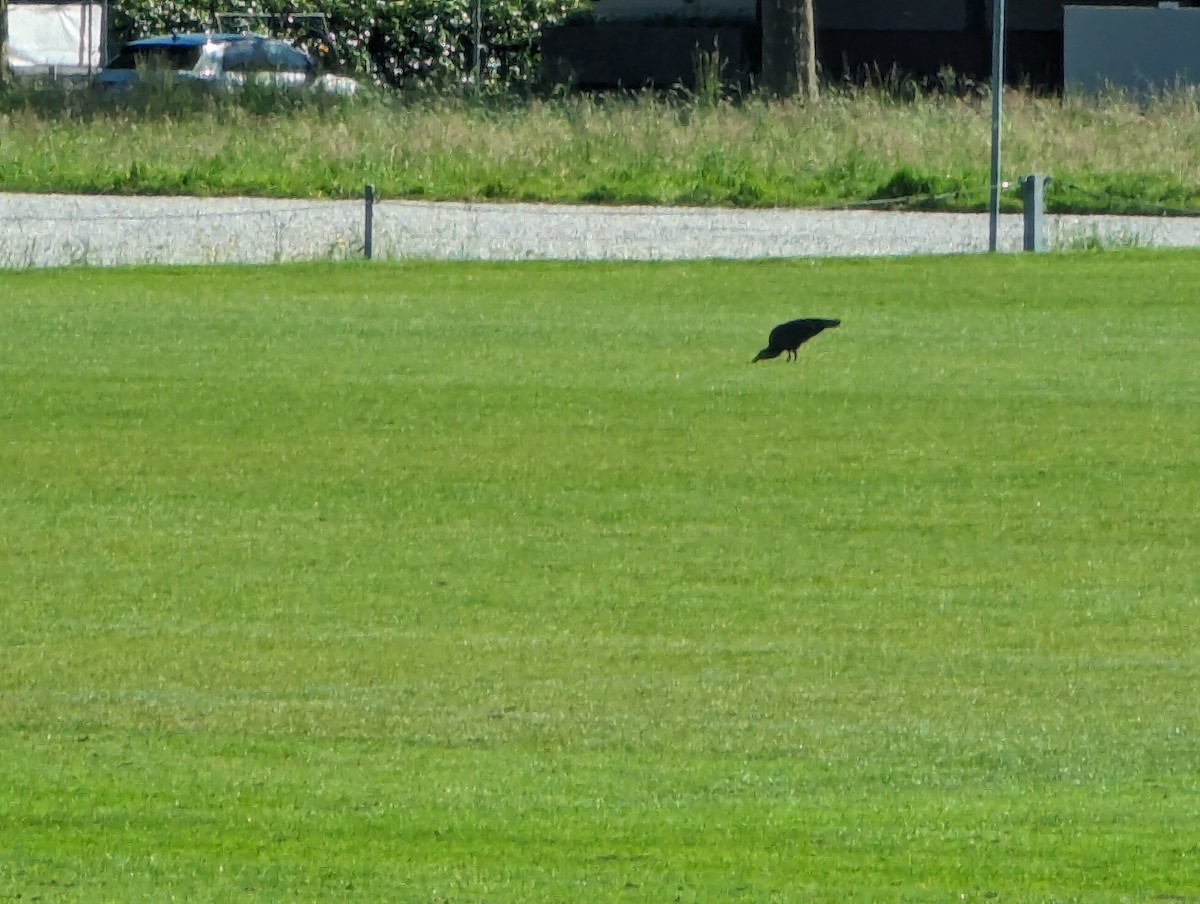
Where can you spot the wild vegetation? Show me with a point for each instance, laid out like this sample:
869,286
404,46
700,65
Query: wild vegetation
407,582
886,144
414,42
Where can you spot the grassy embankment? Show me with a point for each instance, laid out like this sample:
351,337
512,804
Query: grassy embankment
1109,154
519,583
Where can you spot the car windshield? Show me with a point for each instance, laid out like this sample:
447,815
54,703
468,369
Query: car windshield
241,56
282,56
264,56
157,56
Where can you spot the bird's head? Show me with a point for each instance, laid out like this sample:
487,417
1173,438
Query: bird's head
766,354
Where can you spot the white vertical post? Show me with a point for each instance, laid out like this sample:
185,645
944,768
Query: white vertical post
998,26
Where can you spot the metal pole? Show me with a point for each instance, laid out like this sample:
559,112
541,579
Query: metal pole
369,220
997,112
4,42
478,41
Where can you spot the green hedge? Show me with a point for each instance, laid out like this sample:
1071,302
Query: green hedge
400,43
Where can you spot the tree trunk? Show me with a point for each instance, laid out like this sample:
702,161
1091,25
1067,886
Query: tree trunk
789,54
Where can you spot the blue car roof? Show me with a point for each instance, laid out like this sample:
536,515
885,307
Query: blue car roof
188,40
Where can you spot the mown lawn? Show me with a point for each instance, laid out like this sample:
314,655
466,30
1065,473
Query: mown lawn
480,582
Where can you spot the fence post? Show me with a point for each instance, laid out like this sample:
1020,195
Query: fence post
369,219
1033,197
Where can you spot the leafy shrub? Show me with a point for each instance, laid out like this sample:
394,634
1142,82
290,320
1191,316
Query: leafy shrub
401,43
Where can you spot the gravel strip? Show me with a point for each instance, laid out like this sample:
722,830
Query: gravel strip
56,230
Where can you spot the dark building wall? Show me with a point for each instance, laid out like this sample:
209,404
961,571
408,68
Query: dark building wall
887,15
855,39
637,56
922,37
948,15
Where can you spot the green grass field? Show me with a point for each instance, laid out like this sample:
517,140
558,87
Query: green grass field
518,583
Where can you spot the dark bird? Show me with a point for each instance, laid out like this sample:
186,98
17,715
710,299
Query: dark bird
787,337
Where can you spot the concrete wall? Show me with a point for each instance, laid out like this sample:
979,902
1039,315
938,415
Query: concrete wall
1134,48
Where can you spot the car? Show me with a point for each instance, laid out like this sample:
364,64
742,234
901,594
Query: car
225,61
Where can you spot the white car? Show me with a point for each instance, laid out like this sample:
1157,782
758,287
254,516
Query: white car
228,61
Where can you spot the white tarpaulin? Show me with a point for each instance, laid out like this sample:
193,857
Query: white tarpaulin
67,36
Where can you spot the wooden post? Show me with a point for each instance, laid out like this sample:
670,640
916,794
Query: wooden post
789,48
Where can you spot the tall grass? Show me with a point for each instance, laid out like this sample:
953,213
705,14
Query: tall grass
857,144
